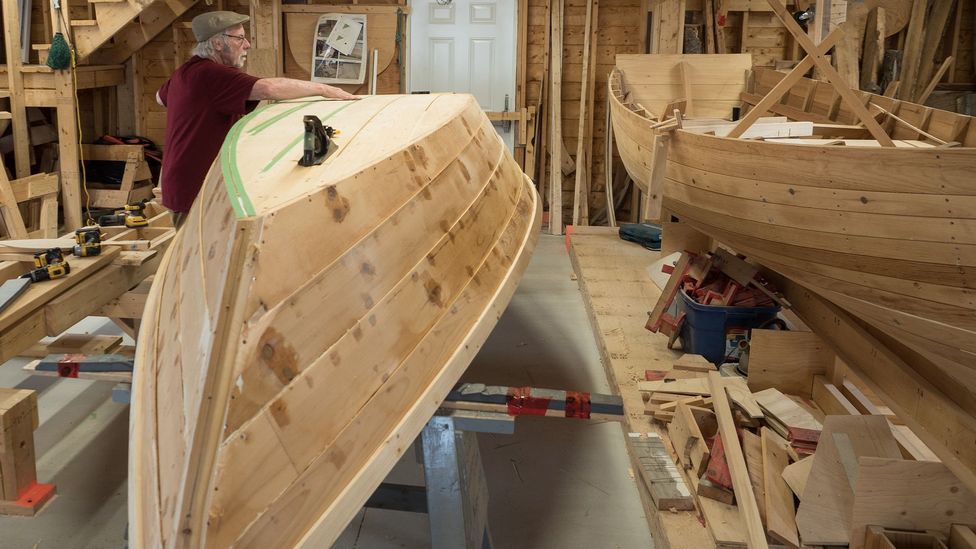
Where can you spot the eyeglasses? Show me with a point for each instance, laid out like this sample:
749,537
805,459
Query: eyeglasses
241,38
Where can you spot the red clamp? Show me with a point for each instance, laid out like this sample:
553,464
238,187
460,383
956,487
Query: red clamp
69,365
577,405
522,403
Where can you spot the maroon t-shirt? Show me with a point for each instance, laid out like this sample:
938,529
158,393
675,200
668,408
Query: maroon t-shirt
203,100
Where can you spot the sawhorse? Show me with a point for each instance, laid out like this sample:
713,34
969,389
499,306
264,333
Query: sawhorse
455,497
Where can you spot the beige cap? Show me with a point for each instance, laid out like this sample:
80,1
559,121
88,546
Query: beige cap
208,24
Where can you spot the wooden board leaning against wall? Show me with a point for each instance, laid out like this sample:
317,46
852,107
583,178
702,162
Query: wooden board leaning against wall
617,32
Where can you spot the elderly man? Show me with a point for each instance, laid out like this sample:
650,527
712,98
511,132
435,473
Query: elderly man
206,96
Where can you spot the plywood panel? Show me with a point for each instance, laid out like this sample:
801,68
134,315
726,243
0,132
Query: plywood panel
787,361
909,495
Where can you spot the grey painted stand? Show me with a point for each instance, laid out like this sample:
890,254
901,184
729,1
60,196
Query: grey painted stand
456,494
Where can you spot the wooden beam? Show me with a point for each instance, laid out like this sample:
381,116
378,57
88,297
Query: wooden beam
923,97
265,53
655,183
721,20
153,20
935,24
556,123
784,85
584,135
18,111
780,513
873,55
669,27
912,51
828,70
708,13
68,145
741,484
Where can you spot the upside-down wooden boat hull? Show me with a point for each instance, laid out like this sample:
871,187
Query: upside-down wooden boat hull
306,322
887,234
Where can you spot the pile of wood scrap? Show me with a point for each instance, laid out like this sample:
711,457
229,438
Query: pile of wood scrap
821,465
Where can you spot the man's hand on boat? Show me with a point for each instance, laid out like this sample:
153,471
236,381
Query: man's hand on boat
290,88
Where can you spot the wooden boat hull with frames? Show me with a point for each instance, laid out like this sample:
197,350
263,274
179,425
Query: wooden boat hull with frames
887,234
306,322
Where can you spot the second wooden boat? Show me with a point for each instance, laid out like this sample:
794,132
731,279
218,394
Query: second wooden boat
886,233
307,321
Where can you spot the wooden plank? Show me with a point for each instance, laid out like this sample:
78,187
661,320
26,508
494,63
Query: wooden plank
661,476
584,136
669,291
796,475
924,95
696,386
873,55
744,494
824,515
688,439
780,513
935,24
18,419
753,451
667,34
716,81
741,396
911,58
555,122
962,537
693,363
601,260
909,495
830,399
708,14
787,361
655,194
785,411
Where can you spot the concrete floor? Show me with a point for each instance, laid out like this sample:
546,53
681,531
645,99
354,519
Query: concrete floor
554,483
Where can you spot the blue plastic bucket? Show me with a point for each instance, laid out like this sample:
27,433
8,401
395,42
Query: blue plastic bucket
711,330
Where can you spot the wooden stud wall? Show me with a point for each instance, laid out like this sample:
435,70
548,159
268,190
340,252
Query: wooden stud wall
617,32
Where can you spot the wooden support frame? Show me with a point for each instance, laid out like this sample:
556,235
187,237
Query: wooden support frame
20,493
68,148
784,85
830,73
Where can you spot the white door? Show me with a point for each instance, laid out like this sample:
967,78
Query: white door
466,46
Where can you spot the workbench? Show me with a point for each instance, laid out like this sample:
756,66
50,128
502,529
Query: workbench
49,308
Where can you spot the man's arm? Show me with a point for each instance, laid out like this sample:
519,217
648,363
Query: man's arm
160,101
290,88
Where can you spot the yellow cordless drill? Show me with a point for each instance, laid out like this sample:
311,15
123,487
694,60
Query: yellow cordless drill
49,264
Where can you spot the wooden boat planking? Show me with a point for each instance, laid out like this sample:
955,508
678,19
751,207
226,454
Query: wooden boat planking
886,234
321,315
